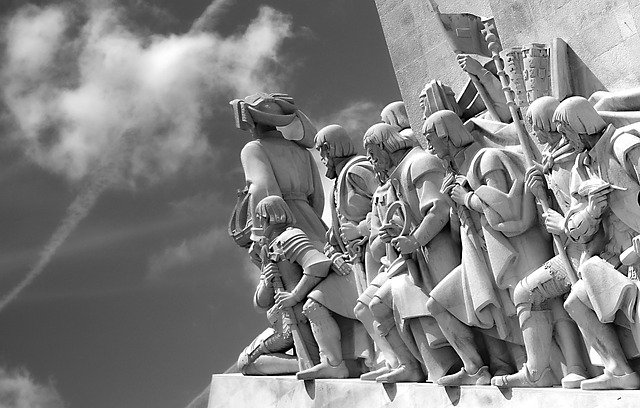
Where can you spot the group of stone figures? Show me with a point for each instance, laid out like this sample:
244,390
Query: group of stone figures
440,263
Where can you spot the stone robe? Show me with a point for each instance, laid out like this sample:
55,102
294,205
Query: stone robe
276,166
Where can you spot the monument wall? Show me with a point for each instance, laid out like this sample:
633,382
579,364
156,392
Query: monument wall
602,35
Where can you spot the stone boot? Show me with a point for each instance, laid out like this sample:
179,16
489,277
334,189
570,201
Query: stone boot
324,370
524,378
462,377
610,381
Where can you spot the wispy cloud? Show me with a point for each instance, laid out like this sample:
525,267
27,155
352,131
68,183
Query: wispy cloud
200,257
112,106
19,390
356,117
72,97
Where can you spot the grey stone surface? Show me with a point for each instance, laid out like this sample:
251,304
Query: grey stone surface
233,390
603,35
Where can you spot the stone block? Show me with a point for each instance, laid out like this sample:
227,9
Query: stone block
236,391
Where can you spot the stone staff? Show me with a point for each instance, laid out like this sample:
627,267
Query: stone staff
523,136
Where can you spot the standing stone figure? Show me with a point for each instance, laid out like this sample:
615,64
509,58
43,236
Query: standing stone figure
274,165
480,292
415,177
604,186
539,296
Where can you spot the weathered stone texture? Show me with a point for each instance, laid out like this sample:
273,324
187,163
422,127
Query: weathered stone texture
602,34
231,391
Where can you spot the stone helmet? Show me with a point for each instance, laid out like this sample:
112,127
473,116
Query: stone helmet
336,140
447,125
388,137
395,114
579,114
540,113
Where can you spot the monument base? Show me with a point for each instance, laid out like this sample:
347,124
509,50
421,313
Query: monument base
235,390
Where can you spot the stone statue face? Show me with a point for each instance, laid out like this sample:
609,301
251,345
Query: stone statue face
379,158
572,136
328,161
544,136
437,146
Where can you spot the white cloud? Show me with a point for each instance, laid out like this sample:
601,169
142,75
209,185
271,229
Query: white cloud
356,117
73,98
201,257
19,390
116,107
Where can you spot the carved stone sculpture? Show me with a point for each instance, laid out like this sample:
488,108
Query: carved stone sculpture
538,297
512,58
536,71
355,182
479,292
274,165
604,217
415,177
327,293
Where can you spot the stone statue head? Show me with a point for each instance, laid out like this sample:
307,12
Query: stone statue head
273,214
436,96
540,117
445,134
395,114
576,119
333,143
381,141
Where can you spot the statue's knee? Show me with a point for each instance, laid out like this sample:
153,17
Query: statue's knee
314,310
434,307
573,302
361,310
522,295
379,309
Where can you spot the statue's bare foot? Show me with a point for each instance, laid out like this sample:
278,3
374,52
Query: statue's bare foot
574,378
610,381
324,370
373,375
404,373
462,377
525,378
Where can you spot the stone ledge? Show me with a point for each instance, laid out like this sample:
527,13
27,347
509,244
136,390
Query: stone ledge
235,390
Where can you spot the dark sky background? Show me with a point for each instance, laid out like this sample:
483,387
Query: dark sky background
148,296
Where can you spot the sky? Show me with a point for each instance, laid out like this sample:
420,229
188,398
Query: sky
119,163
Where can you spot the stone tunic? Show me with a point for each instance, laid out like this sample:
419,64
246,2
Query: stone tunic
276,166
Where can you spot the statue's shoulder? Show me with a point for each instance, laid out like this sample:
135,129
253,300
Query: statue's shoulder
252,149
490,159
624,140
292,242
423,163
360,167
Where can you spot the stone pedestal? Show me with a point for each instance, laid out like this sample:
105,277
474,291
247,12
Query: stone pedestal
235,390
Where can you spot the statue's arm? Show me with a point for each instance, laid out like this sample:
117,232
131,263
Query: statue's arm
258,174
434,207
316,199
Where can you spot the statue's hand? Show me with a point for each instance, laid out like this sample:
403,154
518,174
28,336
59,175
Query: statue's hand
269,272
636,244
405,244
349,231
285,299
598,202
458,193
470,65
388,231
535,181
554,222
